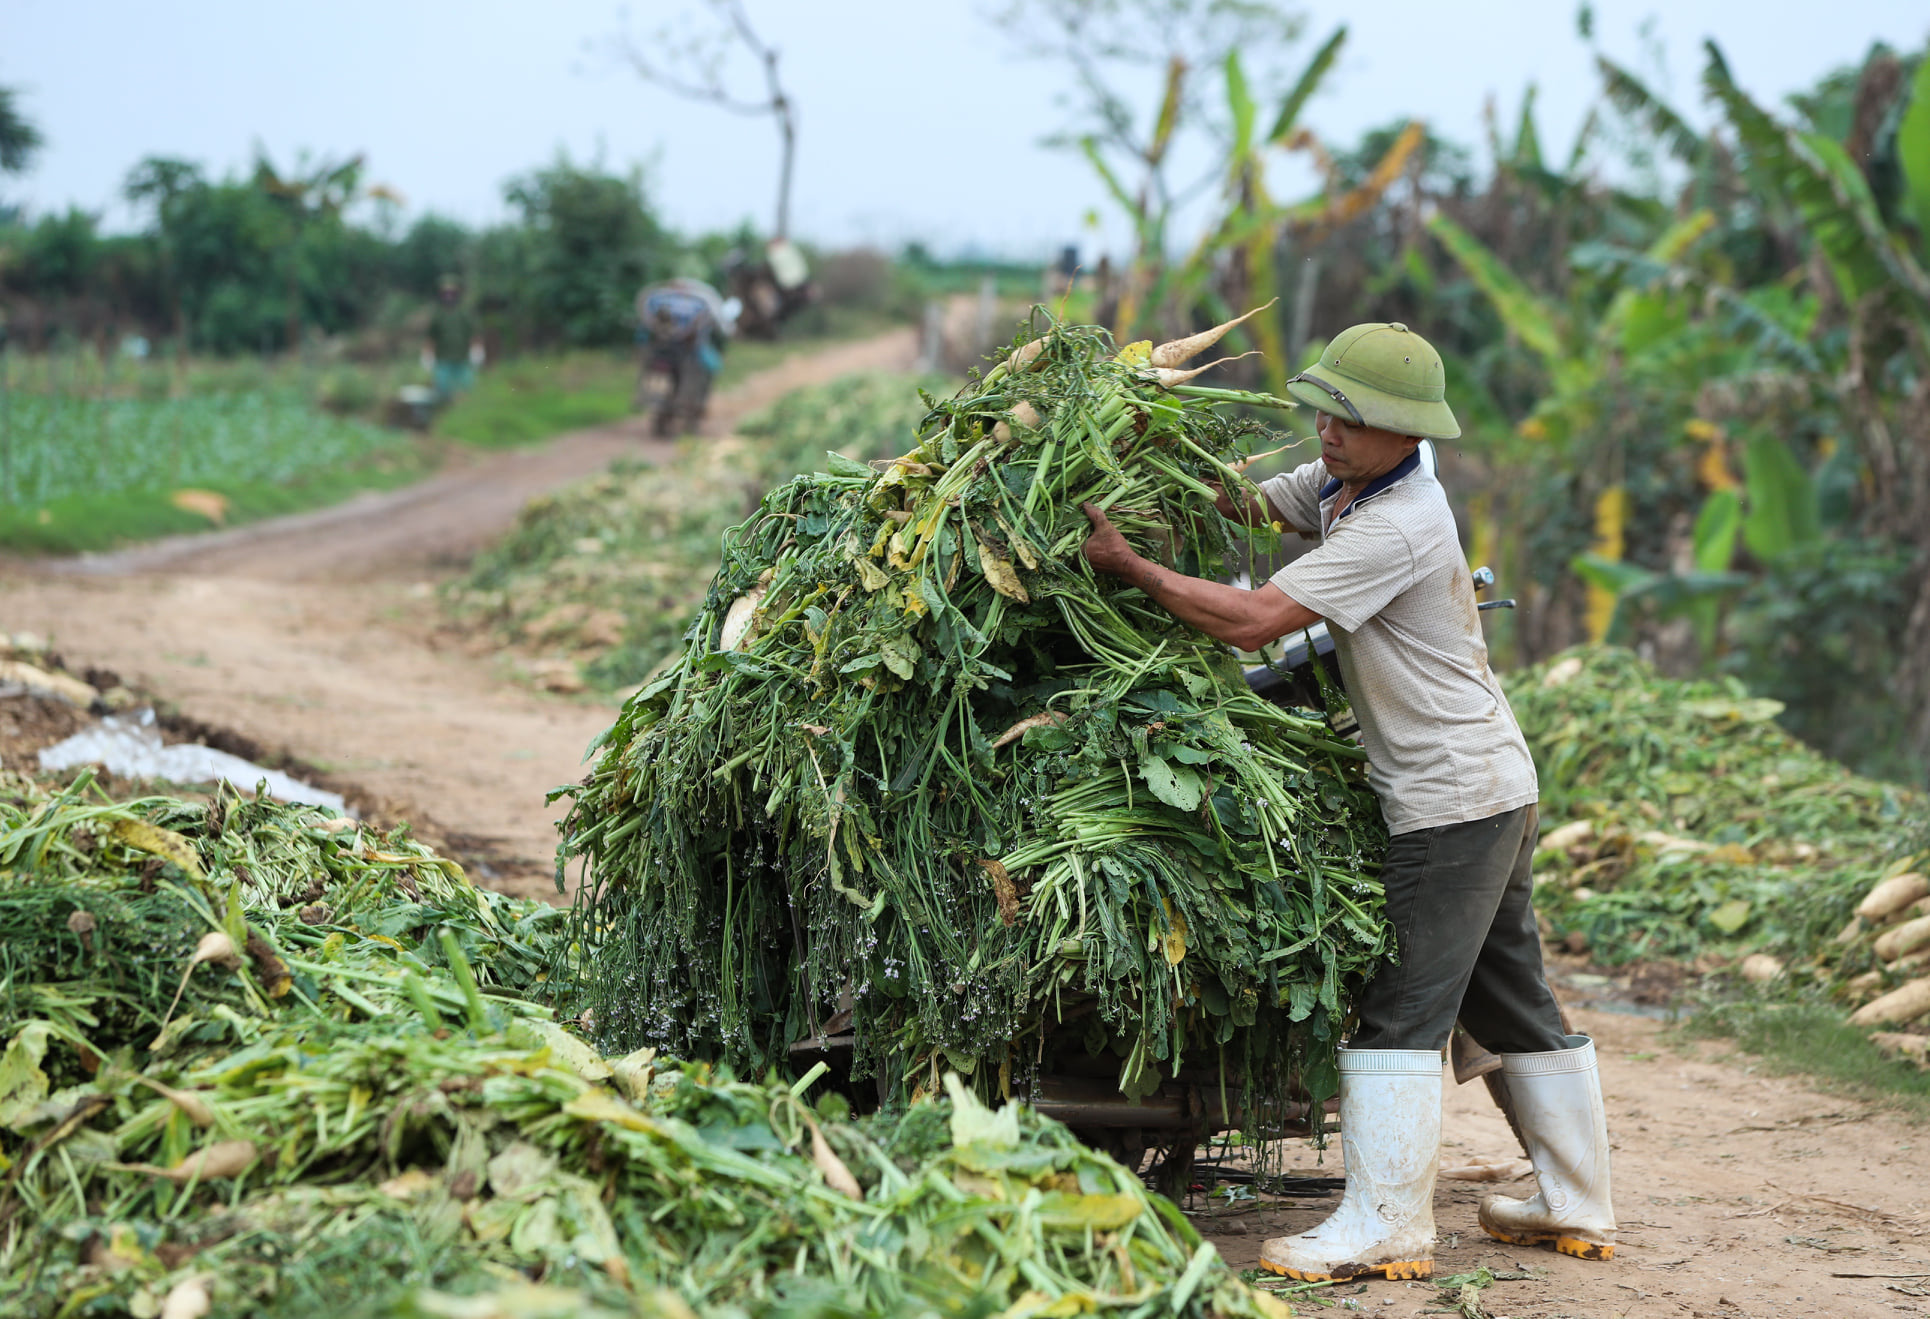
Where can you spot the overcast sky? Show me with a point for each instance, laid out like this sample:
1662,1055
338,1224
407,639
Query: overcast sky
918,117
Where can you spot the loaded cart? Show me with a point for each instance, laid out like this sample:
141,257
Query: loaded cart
923,795
1081,1087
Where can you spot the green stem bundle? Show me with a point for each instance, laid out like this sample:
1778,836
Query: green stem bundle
821,818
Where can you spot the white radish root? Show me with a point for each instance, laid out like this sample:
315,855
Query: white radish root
214,947
1167,378
1491,1169
1916,1048
1024,414
736,633
1904,939
1044,720
189,1299
1564,672
187,1101
1024,355
1178,351
1761,968
1896,1008
1893,895
1866,986
836,1175
224,1158
1245,463
1572,834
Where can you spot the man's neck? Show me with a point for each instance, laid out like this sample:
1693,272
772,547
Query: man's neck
1351,487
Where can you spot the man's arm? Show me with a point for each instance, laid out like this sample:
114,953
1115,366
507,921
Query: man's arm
1239,617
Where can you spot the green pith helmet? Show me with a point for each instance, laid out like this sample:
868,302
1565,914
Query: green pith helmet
1381,375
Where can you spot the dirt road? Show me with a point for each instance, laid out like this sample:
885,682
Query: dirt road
316,635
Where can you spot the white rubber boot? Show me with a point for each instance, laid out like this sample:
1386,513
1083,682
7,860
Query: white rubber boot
1390,1133
1557,1100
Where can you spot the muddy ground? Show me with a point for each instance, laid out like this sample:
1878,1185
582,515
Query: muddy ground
316,640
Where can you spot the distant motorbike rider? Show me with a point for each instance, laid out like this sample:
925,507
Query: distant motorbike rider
682,327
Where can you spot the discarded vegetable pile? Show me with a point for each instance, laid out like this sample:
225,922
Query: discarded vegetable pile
605,574
918,777
1677,817
259,1060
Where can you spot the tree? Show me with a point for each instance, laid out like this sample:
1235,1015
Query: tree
690,63
432,247
1110,45
591,243
306,196
159,182
19,139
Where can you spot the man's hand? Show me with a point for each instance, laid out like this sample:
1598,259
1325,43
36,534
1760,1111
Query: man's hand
1106,549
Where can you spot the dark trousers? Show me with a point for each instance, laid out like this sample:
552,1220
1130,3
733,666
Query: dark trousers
1460,897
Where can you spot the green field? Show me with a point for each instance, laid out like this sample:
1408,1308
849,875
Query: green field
86,471
64,446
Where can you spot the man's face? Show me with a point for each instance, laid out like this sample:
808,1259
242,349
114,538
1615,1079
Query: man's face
1360,453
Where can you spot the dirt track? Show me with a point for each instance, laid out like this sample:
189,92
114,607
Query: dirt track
316,636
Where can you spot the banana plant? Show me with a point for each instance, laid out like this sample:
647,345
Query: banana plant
1574,353
1149,208
1248,227
1885,291
1783,518
1576,360
1233,264
1913,150
1697,592
1831,197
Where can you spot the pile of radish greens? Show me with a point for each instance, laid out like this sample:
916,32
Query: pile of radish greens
921,778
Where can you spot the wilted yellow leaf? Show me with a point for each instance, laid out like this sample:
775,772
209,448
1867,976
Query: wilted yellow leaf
1004,578
1101,1213
599,1105
1173,942
164,843
871,575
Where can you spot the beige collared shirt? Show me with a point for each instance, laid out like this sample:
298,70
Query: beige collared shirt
1390,579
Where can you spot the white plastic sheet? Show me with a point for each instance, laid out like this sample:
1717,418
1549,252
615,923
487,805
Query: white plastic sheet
131,747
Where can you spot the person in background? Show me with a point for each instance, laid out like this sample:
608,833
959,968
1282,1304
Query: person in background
452,351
